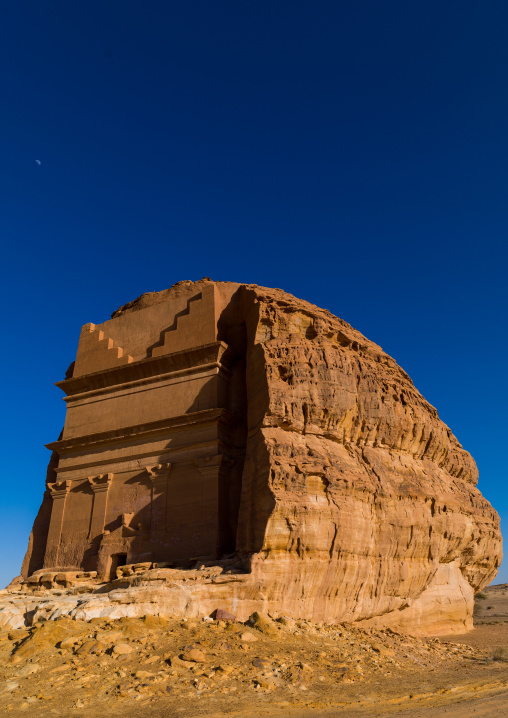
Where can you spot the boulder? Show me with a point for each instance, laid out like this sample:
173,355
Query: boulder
261,623
334,492
221,615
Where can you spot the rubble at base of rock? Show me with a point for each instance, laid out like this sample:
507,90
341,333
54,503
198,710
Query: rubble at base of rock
75,663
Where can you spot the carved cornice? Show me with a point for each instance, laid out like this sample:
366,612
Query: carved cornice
142,431
100,483
215,354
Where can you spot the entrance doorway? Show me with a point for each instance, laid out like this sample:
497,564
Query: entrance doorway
116,560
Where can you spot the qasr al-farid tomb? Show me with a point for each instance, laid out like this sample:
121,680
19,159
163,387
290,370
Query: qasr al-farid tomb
231,445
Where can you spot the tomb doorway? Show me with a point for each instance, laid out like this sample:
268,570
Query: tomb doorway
116,560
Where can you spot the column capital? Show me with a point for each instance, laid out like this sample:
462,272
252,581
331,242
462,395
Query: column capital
101,482
217,462
100,486
59,489
209,462
158,471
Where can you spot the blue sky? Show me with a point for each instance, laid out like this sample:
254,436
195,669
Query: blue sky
354,154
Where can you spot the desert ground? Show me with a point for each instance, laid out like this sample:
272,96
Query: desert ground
153,666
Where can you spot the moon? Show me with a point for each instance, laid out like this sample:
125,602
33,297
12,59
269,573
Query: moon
38,162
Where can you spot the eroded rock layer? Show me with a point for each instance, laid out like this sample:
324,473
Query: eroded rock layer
332,483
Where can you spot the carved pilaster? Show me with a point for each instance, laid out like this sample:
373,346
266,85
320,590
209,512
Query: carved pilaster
215,495
159,476
100,486
211,469
59,491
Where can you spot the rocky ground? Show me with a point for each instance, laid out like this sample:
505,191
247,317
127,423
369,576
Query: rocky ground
153,666
491,605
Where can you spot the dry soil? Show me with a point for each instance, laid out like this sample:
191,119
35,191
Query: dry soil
156,667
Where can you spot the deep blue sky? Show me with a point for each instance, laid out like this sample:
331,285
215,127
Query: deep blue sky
353,153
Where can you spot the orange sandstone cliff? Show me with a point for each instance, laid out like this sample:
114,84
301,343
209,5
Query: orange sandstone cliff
250,451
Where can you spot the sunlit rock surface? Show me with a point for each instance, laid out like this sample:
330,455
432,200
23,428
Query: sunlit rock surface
250,451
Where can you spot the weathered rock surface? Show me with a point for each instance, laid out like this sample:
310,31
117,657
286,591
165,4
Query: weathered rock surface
351,500
373,493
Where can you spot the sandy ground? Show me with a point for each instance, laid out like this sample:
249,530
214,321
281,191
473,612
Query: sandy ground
149,667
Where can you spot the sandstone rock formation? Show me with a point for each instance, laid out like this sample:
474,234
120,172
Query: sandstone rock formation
250,451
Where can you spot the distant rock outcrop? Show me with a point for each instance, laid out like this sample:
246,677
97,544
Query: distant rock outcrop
249,451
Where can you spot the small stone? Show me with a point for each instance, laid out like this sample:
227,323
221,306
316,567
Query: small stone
248,637
63,667
287,622
28,670
200,685
260,663
264,684
305,667
122,649
152,659
10,686
177,662
224,670
90,647
194,655
382,650
143,674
